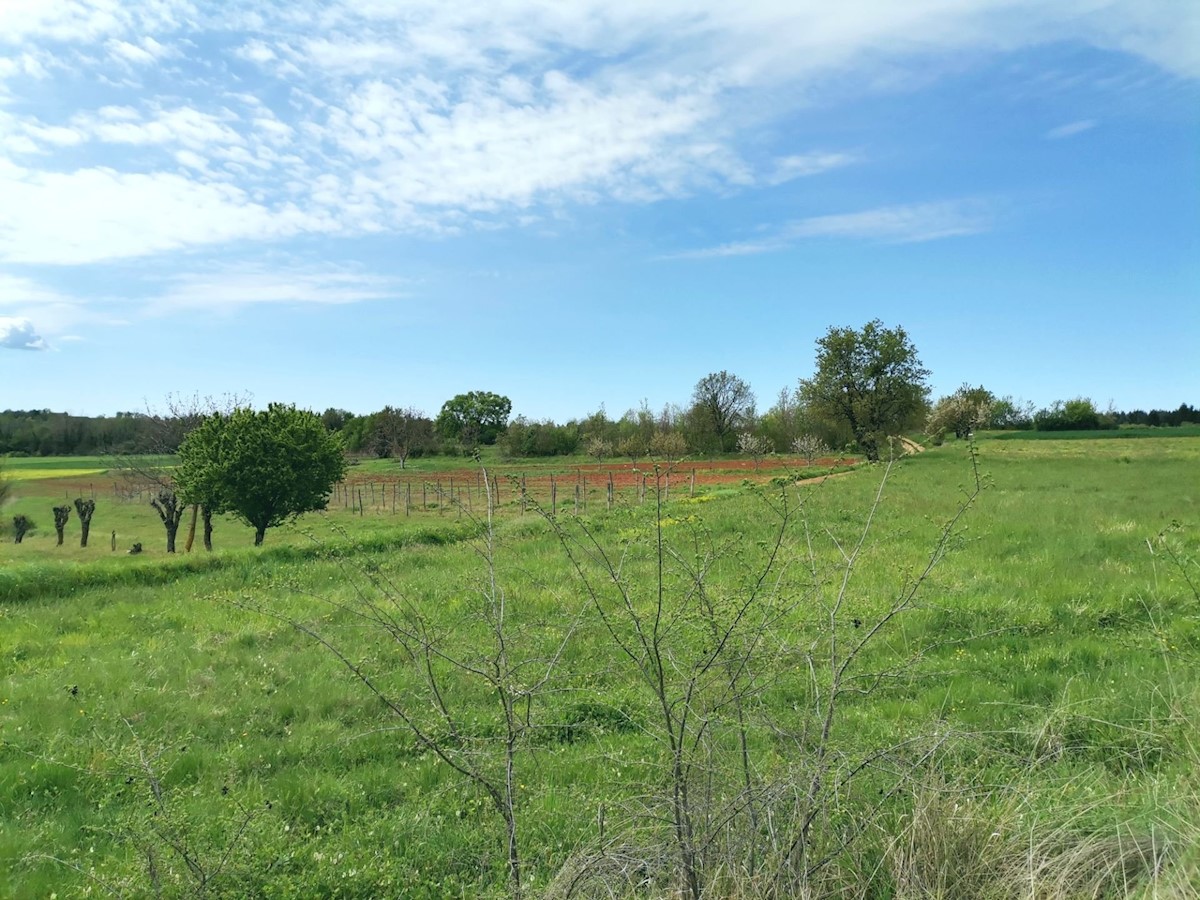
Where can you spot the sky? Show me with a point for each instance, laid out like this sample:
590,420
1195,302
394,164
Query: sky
586,203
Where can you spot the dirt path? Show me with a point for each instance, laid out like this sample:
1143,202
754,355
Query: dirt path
821,478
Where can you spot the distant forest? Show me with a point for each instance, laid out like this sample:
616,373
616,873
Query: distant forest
40,432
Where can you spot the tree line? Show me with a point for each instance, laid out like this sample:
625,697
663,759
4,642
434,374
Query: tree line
868,383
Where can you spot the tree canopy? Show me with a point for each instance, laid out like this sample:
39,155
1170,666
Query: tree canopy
870,380
266,467
721,405
962,412
477,417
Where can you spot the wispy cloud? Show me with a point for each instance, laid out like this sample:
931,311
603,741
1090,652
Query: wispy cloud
233,288
915,223
1070,129
430,117
807,164
19,334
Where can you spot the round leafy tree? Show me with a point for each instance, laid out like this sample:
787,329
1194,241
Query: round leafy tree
868,380
266,467
477,417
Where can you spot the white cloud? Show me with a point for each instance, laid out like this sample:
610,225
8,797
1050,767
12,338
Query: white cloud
52,310
898,224
483,152
95,214
19,334
226,289
915,223
24,291
804,165
427,116
85,21
1070,129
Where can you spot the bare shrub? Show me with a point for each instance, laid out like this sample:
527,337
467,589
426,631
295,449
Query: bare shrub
704,650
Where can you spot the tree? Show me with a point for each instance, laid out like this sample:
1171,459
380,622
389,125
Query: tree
85,510
401,433
266,467
22,525
754,446
61,515
170,510
1008,413
633,447
721,404
1079,414
477,417
962,412
668,446
870,380
784,422
810,446
599,448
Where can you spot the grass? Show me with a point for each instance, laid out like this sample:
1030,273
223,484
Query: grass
1058,674
1122,432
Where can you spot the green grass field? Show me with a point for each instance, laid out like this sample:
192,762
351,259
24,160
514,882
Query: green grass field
1032,705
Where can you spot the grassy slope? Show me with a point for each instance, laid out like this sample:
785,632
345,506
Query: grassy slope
1080,679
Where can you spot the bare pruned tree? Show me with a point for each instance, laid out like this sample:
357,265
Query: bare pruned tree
401,433
61,515
150,472
85,510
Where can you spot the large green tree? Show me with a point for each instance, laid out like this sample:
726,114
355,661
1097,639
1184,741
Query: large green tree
870,380
722,404
266,467
477,417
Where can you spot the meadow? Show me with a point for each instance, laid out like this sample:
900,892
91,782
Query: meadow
334,714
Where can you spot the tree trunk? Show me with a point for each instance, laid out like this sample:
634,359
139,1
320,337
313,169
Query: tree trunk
61,515
85,509
191,538
259,533
171,512
206,516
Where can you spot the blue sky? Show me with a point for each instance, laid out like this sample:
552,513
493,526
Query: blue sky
363,203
